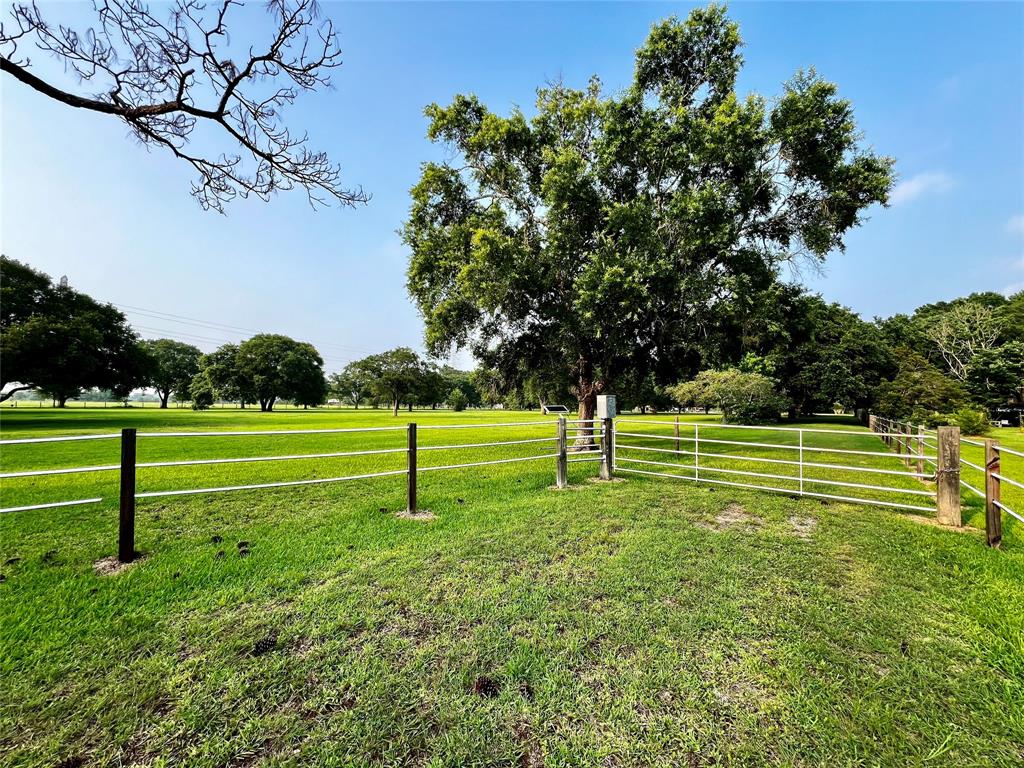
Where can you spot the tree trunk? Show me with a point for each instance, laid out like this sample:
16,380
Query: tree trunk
587,390
62,401
164,396
409,407
394,407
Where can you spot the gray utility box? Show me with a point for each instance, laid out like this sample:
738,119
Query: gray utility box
606,406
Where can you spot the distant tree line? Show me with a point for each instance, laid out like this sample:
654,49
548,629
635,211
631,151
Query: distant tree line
780,350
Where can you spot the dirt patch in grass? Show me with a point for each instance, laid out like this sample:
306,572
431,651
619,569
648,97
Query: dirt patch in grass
803,527
732,516
422,515
921,519
111,566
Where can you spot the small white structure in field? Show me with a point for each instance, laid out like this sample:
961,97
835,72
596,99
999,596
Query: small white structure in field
547,410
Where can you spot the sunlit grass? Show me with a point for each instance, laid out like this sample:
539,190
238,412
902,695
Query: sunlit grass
641,622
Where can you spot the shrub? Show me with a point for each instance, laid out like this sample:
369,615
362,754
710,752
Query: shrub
971,422
201,392
457,400
743,398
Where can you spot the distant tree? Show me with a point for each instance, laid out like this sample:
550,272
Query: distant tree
166,76
352,383
463,380
599,231
221,370
275,367
397,376
201,391
963,331
995,377
175,365
457,400
61,341
1010,317
743,398
919,390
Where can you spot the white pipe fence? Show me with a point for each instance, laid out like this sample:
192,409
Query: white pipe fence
596,440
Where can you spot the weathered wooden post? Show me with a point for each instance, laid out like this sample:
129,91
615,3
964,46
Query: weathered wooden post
608,449
947,476
126,521
411,478
562,465
871,423
993,514
899,440
920,450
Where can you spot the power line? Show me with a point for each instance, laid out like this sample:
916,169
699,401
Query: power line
155,314
190,337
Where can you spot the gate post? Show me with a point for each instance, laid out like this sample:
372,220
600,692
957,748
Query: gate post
608,450
562,460
411,478
947,476
993,514
126,516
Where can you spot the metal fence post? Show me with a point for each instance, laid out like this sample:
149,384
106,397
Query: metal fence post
562,465
920,450
947,476
126,521
411,475
696,452
608,450
801,462
993,514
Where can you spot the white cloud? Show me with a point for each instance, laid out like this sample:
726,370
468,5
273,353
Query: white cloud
934,182
1016,224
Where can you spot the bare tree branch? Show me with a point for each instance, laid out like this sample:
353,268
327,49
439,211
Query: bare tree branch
155,75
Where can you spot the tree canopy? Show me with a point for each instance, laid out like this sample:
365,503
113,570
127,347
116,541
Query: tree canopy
175,364
274,367
61,341
597,236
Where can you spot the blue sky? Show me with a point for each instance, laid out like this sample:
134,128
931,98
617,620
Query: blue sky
938,86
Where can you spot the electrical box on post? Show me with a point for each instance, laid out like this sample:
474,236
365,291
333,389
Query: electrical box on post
606,406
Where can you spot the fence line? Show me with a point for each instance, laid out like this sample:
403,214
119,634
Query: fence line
990,470
602,444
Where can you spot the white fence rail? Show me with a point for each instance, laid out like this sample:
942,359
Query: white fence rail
692,469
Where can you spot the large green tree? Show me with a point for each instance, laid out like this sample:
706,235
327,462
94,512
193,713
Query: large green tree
397,376
596,235
274,367
175,364
61,341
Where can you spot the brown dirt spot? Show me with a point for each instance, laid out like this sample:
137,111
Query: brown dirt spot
732,516
803,527
111,566
531,755
422,515
936,524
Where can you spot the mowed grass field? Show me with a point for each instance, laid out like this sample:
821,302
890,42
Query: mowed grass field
646,621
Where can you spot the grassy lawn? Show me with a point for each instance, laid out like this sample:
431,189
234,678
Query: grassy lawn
640,622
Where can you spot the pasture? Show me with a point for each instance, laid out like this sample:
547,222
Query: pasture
644,621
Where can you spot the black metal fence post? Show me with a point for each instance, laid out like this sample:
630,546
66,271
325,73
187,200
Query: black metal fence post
126,527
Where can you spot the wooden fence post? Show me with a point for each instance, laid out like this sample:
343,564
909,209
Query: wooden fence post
126,521
411,477
562,466
608,450
947,476
993,514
